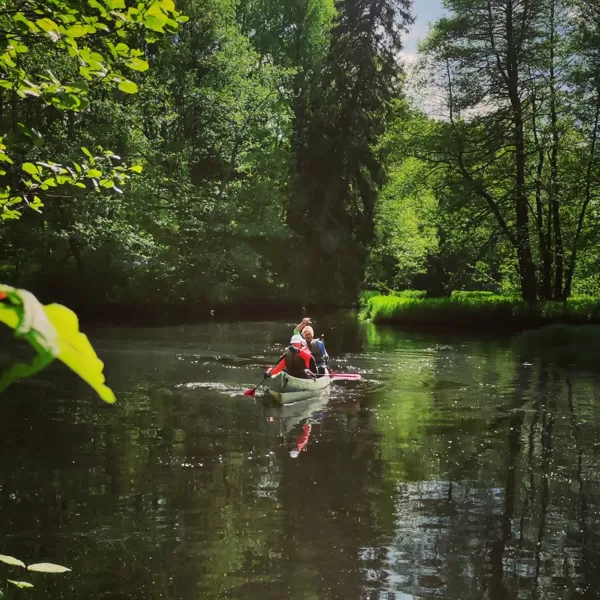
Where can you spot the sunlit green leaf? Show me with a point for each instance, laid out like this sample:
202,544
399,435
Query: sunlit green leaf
76,31
30,168
115,4
11,560
49,567
53,331
129,87
137,64
50,27
20,584
155,23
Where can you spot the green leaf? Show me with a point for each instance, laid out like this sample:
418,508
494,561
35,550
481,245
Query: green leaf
50,27
76,31
30,168
115,4
24,129
26,23
76,351
53,331
96,4
93,173
136,168
129,87
67,101
49,567
20,584
137,64
155,23
10,560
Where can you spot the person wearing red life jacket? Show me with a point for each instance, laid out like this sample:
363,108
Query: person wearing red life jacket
297,360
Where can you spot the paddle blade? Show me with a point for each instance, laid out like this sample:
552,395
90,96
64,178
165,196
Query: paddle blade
250,393
346,376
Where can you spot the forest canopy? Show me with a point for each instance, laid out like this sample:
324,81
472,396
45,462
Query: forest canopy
215,152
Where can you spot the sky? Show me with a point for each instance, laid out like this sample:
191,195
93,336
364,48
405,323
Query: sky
426,11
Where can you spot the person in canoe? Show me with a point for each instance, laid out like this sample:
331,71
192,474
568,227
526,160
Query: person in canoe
316,346
297,360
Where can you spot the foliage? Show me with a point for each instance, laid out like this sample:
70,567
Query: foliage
405,226
53,332
409,293
271,152
508,149
465,296
53,54
339,172
480,308
39,567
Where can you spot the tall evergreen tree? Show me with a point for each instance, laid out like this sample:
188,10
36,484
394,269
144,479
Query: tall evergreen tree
338,169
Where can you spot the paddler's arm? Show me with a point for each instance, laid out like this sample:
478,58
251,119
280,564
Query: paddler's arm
301,325
276,369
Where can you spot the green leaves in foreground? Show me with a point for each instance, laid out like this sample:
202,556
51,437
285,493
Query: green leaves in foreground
53,332
38,567
11,560
48,568
20,584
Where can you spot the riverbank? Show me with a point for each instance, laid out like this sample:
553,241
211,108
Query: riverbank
476,311
164,314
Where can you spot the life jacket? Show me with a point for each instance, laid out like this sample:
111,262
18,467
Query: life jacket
317,352
296,360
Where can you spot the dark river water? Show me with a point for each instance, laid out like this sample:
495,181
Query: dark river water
454,469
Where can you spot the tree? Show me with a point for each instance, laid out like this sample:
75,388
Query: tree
339,172
86,45
481,53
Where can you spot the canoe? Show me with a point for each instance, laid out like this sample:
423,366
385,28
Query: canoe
286,389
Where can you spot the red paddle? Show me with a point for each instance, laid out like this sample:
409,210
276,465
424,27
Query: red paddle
252,391
348,376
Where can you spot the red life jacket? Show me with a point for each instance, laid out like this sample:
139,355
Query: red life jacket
295,361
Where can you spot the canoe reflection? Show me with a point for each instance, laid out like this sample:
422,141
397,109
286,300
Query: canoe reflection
295,421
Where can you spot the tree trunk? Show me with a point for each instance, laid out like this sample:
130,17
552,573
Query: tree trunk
543,233
76,252
526,267
554,187
589,183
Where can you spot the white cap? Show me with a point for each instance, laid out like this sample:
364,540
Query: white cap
296,339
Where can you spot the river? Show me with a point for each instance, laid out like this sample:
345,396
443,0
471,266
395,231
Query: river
455,469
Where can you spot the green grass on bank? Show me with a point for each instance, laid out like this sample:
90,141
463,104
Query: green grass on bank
474,307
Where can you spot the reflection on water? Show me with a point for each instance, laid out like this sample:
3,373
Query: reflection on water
455,469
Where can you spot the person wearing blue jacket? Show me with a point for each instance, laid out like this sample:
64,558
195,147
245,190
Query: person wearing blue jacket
316,346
